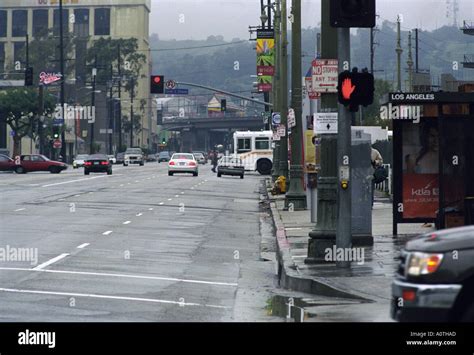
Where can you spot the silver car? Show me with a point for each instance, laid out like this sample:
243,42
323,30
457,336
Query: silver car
182,163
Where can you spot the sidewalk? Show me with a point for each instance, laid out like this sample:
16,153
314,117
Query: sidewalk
369,282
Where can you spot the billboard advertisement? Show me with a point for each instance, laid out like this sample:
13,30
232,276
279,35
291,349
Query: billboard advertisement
420,148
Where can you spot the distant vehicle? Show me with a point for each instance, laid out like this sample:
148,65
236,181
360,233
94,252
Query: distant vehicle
255,150
229,165
163,156
97,163
120,157
112,159
6,163
200,158
79,161
151,157
38,162
435,278
133,156
203,153
183,163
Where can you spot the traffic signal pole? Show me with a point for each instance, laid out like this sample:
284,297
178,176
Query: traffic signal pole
283,105
344,208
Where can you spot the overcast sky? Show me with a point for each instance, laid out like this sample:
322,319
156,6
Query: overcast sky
198,19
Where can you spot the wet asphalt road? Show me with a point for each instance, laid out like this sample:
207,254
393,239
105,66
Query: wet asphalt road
134,246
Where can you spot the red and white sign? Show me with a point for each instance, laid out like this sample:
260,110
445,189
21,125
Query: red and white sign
48,78
57,144
324,75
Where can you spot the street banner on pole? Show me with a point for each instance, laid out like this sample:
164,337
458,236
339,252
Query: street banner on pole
265,59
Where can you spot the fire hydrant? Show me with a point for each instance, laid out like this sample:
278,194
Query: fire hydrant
280,186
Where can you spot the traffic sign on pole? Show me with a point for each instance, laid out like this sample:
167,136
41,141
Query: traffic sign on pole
325,75
57,144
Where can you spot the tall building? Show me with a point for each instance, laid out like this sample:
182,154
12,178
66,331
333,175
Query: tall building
94,19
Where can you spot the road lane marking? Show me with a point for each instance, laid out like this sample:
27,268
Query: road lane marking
127,222
137,181
50,261
107,233
139,214
82,246
77,195
182,192
92,295
158,278
71,181
161,203
91,192
20,209
121,185
150,209
170,199
176,195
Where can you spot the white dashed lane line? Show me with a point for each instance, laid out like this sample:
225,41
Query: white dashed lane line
82,246
127,222
20,209
161,203
150,209
139,214
107,233
50,261
170,199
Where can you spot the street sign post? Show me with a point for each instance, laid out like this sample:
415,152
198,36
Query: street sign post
170,84
324,75
325,123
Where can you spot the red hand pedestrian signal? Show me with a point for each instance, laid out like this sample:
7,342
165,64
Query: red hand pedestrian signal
347,88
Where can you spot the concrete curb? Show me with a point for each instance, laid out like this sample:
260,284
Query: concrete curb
288,275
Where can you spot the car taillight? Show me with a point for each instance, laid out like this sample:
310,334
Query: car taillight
171,163
104,163
87,163
192,163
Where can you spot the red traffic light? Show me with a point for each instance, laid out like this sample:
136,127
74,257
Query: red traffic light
156,79
157,84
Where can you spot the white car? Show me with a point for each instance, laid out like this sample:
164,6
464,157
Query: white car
183,163
79,161
112,159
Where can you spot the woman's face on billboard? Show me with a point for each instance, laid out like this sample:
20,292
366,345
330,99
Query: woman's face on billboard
433,139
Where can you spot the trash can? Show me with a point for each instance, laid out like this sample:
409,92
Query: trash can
469,210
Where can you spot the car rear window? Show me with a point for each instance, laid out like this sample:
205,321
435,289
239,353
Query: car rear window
98,157
183,156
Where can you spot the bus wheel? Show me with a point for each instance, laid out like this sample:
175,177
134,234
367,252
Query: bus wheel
264,166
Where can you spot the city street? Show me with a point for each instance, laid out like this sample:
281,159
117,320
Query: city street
138,245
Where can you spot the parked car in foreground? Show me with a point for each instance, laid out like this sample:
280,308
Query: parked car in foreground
435,278
182,163
133,156
97,163
6,163
229,165
78,162
38,162
163,156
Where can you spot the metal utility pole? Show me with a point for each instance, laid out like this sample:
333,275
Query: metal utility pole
410,65
399,51
296,197
132,93
94,74
119,121
275,88
344,207
416,50
372,50
41,118
63,78
283,91
324,234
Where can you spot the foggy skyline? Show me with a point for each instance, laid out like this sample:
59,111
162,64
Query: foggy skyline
198,19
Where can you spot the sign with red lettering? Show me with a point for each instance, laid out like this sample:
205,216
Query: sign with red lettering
324,75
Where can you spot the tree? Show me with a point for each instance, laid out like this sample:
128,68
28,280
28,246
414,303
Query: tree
19,108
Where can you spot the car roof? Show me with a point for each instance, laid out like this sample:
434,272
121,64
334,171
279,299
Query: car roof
96,156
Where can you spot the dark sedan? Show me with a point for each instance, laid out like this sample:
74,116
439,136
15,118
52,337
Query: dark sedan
6,163
97,163
228,165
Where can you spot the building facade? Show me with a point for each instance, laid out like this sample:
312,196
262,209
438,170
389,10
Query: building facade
92,19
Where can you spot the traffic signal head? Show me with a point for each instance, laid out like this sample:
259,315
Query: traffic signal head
56,135
157,84
29,76
223,105
163,141
352,13
355,89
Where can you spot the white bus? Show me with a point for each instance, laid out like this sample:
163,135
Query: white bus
255,150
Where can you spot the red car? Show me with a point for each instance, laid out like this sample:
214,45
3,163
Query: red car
38,162
6,163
